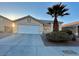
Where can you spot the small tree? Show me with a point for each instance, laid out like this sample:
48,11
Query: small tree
55,11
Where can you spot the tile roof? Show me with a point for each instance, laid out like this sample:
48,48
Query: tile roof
42,21
5,18
39,20
70,24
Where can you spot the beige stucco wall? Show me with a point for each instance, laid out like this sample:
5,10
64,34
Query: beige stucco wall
24,22
43,27
47,28
75,30
5,25
60,26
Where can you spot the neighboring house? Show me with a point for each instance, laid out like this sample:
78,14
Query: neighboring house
5,24
74,27
30,25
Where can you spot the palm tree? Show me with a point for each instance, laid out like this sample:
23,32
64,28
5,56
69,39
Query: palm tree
55,11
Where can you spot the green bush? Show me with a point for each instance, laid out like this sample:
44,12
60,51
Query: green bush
67,31
58,36
73,37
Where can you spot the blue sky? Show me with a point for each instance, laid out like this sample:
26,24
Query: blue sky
14,10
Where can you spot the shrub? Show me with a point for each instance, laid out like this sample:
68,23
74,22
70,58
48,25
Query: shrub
73,37
1,31
67,31
58,36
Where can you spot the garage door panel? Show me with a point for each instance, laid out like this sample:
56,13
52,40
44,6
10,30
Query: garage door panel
29,29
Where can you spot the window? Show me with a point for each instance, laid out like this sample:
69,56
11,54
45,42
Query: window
28,20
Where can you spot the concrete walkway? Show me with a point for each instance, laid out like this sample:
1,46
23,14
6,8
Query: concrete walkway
32,45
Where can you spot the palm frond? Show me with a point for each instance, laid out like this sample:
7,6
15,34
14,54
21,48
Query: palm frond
64,10
65,14
58,10
49,13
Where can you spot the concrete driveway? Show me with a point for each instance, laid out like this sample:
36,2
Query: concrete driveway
32,45
2,35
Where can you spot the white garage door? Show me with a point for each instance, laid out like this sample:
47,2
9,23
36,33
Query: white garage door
29,29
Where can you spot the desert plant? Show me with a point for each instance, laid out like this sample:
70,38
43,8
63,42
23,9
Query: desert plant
71,34
58,36
68,31
55,11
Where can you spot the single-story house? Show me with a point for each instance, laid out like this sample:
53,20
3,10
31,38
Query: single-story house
5,24
74,27
27,24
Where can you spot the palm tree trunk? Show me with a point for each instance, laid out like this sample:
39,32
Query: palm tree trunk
55,25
